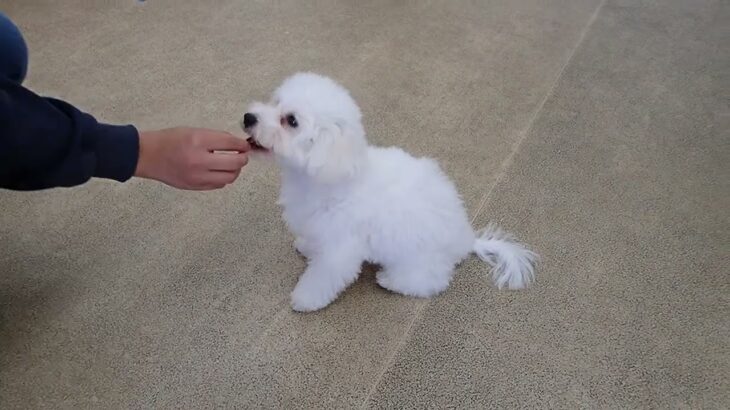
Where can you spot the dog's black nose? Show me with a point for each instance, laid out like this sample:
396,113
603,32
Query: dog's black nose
249,120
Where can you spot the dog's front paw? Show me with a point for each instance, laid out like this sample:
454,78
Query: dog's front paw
307,297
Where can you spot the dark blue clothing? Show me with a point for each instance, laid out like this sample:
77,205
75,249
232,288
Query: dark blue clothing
14,52
45,142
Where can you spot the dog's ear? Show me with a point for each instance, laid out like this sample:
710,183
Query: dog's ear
338,152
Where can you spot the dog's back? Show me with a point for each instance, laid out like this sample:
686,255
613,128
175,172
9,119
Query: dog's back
414,207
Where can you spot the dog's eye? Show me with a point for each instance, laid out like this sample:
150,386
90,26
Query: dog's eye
291,120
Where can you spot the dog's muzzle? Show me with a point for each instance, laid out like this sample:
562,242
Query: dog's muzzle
249,121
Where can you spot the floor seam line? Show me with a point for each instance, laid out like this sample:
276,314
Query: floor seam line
525,132
505,165
267,330
391,357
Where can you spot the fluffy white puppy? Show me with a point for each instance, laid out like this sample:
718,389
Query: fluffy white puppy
348,202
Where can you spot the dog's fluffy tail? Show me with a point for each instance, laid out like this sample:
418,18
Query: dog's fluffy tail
512,264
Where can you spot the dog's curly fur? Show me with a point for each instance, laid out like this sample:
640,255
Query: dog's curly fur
348,202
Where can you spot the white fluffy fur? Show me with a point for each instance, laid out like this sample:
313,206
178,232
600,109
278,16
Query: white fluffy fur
348,202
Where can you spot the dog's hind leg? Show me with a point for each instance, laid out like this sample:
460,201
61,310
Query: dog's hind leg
420,277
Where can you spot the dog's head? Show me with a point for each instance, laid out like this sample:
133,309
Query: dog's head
312,125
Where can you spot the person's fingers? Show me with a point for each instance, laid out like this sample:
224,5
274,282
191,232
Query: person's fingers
212,187
221,161
223,141
206,187
216,178
235,175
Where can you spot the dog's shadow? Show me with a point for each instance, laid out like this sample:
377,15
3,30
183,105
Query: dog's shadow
366,283
367,273
365,280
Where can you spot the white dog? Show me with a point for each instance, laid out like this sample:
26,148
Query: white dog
348,202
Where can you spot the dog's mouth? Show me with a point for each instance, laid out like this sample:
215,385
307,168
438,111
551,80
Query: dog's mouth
255,144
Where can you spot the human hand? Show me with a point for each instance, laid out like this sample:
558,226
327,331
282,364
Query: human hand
191,158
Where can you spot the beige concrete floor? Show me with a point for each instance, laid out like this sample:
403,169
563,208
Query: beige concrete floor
595,130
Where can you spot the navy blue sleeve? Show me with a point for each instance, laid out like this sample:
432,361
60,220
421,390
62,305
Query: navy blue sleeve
47,143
